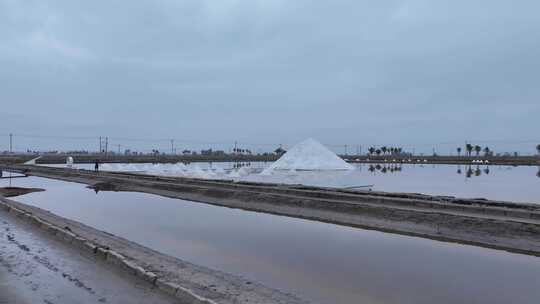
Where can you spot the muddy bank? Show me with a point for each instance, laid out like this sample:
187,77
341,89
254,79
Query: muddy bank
187,282
38,267
16,191
115,158
104,187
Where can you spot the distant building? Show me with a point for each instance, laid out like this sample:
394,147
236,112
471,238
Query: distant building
206,152
212,152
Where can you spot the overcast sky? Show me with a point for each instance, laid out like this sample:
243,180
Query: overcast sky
411,72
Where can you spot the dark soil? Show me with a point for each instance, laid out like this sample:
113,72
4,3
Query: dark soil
16,191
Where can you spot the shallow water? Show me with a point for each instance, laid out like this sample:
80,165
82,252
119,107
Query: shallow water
519,184
322,262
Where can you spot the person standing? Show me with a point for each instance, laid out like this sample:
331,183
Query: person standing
96,166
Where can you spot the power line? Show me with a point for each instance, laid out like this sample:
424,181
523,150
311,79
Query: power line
162,142
56,136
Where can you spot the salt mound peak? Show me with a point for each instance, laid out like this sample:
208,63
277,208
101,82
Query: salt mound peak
310,155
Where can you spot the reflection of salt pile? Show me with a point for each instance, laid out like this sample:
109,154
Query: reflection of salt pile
309,155
238,173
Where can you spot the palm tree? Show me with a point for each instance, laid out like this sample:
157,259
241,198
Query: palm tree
538,149
384,149
486,151
469,148
378,151
477,149
371,150
458,151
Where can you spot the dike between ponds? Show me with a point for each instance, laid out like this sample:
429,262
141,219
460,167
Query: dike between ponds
510,226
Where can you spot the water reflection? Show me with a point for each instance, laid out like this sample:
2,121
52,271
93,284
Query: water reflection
238,165
496,182
470,171
394,168
322,262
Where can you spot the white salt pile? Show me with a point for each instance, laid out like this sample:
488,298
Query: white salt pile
309,155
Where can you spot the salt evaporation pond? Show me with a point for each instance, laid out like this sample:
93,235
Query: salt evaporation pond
520,184
322,262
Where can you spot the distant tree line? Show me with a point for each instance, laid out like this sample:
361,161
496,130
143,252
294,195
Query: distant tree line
469,148
384,150
241,151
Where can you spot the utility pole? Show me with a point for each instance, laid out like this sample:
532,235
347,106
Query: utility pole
10,143
345,149
100,147
106,145
118,149
172,146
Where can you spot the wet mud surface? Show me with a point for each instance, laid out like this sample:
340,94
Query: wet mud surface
104,186
36,269
16,191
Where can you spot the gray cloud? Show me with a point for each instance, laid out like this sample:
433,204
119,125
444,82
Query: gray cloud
410,72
